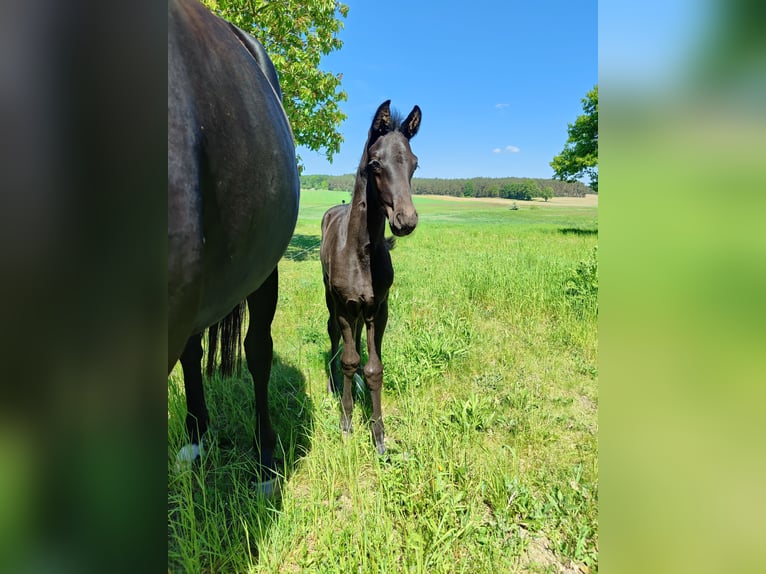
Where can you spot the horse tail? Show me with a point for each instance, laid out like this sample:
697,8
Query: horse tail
224,340
390,242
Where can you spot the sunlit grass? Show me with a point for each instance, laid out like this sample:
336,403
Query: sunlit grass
490,405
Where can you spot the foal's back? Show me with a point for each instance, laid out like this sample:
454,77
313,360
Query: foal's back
334,234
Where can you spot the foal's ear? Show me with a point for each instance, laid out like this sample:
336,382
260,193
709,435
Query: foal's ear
411,125
381,123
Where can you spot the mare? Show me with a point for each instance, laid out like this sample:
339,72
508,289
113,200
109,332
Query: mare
233,193
356,263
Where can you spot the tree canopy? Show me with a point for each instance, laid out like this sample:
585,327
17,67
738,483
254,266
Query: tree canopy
580,155
296,35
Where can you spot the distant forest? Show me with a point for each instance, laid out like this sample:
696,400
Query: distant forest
505,187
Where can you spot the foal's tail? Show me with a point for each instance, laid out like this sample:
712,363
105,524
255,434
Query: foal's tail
226,335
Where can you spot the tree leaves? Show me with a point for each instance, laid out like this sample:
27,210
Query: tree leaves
296,35
580,155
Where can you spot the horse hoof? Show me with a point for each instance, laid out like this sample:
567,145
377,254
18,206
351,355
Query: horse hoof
188,455
268,488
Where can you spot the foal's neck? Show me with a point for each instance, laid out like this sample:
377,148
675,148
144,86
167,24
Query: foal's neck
367,219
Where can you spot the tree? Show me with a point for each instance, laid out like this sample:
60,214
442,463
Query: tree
547,192
531,189
580,155
296,35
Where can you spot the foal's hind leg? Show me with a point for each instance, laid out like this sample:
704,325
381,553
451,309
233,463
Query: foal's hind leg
258,349
196,410
333,331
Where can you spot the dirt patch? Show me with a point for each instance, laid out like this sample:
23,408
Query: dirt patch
540,558
590,200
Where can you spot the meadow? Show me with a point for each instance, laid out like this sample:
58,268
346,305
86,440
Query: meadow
490,404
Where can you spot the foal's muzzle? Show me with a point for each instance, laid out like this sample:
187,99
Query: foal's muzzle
402,223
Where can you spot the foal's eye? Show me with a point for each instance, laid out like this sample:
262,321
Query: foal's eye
374,166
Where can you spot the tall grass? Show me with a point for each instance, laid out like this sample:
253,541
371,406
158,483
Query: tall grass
490,406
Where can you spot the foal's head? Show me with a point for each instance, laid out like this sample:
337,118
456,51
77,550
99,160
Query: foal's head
390,165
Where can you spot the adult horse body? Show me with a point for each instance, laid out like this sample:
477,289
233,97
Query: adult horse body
356,264
233,192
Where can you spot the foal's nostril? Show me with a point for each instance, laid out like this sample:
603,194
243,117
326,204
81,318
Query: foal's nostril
398,218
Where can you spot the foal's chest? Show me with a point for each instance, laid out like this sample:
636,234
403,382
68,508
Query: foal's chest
368,280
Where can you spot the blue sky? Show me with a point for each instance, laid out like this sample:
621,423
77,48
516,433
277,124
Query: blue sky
497,81
650,47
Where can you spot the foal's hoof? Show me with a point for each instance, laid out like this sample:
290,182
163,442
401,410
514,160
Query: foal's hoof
378,437
346,426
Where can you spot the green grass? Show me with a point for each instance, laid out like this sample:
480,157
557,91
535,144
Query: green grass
490,405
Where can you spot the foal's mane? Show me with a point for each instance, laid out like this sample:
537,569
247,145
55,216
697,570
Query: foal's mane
396,119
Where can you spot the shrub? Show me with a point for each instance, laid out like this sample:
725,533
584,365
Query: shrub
582,286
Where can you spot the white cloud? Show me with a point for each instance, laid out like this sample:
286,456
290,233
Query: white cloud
497,150
512,149
501,106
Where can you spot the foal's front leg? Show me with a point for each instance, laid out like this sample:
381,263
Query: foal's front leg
373,371
349,360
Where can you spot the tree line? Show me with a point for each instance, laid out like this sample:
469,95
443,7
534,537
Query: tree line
504,187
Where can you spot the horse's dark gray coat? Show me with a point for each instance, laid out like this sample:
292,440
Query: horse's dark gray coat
233,193
233,183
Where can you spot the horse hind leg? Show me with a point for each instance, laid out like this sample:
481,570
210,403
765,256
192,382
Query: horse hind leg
196,409
259,348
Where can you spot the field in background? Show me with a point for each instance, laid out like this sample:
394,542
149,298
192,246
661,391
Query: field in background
490,407
590,200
